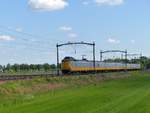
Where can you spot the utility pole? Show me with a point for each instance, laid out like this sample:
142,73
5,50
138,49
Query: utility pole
57,46
126,59
94,56
101,55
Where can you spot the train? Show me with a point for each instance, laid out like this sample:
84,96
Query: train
71,65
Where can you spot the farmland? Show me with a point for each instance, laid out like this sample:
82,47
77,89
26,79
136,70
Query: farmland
88,94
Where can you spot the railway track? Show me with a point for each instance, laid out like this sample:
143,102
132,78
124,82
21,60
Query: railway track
7,77
24,77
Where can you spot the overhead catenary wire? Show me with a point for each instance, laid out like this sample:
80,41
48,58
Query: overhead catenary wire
10,30
26,45
30,42
27,42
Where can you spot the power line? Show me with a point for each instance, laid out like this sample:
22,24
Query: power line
28,42
26,34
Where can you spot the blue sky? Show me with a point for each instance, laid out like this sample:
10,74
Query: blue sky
30,29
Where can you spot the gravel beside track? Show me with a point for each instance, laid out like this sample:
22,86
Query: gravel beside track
23,77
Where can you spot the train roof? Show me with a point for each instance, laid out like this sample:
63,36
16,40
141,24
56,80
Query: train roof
73,59
69,58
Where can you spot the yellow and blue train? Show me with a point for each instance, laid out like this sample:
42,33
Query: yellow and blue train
71,65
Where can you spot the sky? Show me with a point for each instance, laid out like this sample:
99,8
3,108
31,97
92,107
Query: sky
30,29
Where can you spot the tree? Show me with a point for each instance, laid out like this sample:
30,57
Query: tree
15,67
46,67
8,67
1,68
53,66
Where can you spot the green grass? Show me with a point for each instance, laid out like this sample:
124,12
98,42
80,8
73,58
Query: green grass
129,95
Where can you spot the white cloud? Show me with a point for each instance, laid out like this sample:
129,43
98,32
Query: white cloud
133,41
69,31
6,38
109,2
113,41
72,35
65,28
19,29
48,5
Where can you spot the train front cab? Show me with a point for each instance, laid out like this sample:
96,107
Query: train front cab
66,66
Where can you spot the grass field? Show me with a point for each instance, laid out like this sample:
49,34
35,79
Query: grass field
78,95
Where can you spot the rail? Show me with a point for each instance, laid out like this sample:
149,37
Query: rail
24,77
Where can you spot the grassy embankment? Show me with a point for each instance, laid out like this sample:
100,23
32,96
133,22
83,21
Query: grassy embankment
78,95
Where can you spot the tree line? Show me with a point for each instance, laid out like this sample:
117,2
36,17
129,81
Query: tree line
27,67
